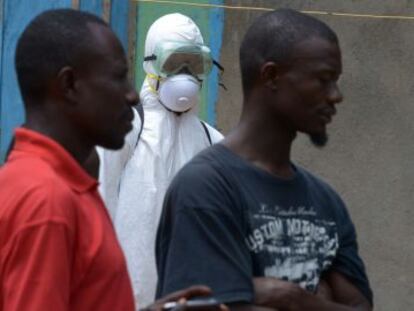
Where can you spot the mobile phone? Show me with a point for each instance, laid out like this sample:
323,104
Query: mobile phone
198,304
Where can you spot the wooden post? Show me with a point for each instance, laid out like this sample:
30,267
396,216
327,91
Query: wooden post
75,4
106,11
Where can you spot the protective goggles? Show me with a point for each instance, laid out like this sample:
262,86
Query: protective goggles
171,58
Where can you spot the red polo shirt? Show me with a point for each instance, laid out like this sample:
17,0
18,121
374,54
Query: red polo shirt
58,249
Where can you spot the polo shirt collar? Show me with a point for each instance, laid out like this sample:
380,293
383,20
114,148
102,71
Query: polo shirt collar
56,156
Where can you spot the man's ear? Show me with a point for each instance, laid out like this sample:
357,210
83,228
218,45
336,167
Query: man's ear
66,84
269,74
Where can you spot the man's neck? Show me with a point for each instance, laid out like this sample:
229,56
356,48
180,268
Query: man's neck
265,144
60,132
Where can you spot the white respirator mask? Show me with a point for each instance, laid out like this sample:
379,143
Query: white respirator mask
179,93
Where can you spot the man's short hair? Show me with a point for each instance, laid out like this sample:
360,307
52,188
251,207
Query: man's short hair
272,37
52,40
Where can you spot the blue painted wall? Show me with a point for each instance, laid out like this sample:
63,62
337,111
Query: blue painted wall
119,20
216,25
14,16
92,6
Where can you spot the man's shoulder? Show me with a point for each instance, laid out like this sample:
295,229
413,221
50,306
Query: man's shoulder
31,186
316,181
25,171
322,191
29,170
208,162
205,175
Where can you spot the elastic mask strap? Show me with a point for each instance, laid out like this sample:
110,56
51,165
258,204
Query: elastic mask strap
200,81
175,112
157,78
223,86
217,64
149,58
221,68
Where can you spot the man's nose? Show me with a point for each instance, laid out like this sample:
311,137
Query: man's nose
132,97
335,95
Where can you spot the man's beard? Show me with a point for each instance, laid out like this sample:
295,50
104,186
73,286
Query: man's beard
319,140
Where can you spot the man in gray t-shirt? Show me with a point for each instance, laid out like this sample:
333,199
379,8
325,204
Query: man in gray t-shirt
240,217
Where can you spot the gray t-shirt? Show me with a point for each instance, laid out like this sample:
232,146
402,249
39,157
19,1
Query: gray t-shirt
226,221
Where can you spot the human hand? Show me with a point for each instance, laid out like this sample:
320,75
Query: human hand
181,298
324,291
275,293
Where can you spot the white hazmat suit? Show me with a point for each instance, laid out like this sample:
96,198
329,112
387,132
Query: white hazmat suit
135,179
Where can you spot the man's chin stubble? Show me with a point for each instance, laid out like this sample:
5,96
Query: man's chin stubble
319,140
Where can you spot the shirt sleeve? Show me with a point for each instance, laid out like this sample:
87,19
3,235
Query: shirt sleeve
36,268
348,261
200,239
112,165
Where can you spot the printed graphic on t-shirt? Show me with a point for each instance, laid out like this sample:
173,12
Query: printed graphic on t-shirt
292,243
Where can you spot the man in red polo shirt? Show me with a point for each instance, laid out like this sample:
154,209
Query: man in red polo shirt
58,249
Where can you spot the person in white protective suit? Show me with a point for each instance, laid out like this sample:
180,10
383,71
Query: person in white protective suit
134,180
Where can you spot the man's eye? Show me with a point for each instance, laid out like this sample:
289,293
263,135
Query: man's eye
328,79
325,79
121,74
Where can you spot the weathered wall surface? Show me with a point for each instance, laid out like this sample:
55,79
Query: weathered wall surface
369,159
